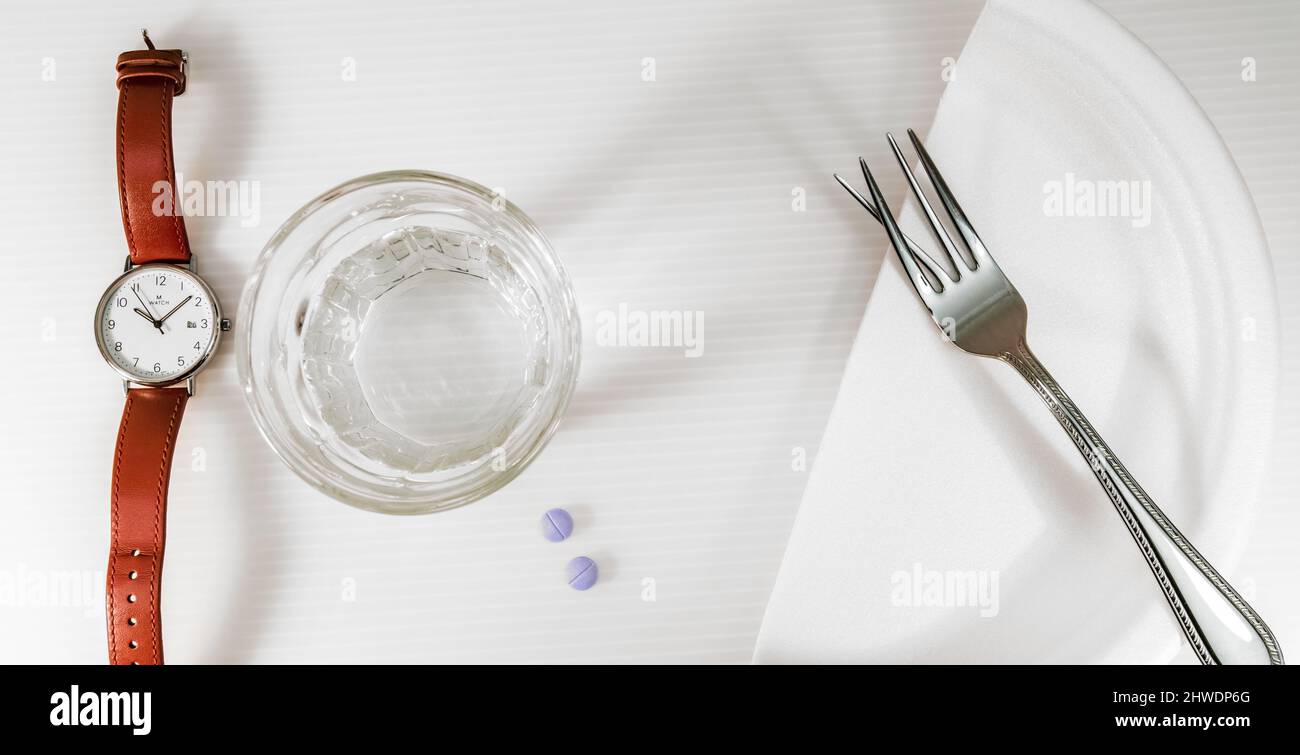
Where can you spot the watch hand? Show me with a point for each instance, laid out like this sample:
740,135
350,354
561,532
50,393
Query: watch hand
156,321
163,319
146,316
146,313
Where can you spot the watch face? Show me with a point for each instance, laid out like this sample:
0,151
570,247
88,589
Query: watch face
157,324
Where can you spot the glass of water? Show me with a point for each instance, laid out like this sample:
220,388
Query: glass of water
408,342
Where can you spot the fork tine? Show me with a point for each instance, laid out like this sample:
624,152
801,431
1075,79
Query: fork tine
922,257
936,225
896,239
959,219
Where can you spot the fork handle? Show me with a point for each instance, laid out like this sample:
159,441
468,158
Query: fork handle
1220,625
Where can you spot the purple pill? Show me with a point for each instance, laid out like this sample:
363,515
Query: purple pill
557,525
582,573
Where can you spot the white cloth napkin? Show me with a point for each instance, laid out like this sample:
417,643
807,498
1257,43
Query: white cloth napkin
947,517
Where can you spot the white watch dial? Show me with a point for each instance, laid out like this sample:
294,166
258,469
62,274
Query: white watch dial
157,323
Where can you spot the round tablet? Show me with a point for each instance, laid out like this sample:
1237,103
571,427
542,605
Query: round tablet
557,525
582,573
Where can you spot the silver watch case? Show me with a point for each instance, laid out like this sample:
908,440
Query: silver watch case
187,376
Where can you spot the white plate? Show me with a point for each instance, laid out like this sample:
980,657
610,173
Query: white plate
937,466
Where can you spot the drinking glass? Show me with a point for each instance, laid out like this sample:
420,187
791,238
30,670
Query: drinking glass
408,342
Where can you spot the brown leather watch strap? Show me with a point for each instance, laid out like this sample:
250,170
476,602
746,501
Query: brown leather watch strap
142,464
147,80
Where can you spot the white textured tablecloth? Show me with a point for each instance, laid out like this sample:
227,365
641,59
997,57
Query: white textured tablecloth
679,193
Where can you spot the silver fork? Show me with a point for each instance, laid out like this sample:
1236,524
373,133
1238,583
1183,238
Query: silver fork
982,313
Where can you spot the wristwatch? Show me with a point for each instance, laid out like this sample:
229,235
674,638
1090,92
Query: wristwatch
157,325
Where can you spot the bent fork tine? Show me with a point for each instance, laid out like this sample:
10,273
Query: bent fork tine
922,257
886,218
923,287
